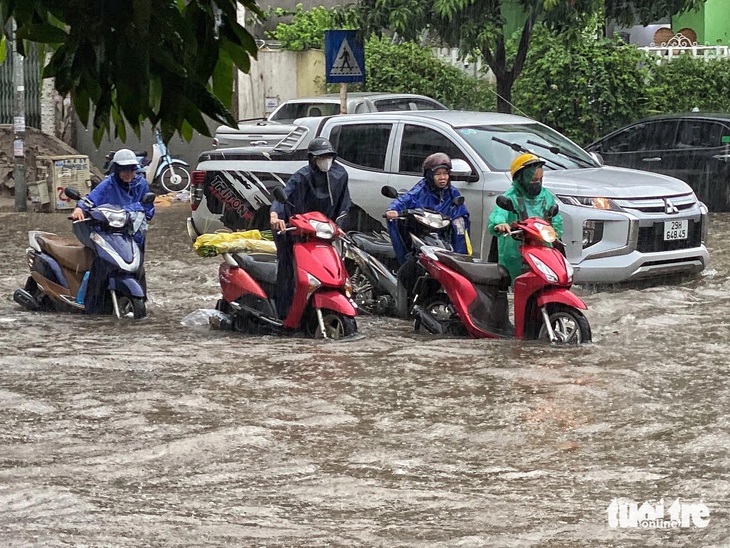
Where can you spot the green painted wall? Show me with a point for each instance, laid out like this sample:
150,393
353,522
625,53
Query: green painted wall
710,23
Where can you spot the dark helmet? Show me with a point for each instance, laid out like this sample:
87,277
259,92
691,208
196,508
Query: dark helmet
436,161
320,147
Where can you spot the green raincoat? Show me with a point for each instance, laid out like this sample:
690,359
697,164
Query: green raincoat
508,247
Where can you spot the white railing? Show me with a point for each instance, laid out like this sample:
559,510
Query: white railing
679,44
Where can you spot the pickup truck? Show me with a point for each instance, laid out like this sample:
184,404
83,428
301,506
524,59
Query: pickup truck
269,131
619,224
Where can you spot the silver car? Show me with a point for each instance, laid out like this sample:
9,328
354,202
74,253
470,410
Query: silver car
620,224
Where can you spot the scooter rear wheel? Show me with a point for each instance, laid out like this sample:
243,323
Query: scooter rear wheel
569,324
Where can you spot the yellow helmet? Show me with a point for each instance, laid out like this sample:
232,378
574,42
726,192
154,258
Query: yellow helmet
524,160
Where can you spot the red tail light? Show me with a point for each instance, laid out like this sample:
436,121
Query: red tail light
197,180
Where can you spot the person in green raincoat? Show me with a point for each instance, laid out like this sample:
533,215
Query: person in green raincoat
527,194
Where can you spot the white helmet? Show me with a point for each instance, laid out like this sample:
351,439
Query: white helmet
125,157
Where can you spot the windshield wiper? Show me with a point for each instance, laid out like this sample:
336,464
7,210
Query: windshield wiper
519,148
557,150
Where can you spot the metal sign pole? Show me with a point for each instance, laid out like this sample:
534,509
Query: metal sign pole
21,187
343,98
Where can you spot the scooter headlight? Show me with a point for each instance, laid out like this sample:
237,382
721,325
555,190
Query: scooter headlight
547,232
544,269
114,217
432,220
324,231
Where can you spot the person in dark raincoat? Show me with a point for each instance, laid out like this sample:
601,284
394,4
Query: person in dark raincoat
527,195
321,185
123,187
436,193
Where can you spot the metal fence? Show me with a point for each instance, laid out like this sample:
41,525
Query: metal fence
33,83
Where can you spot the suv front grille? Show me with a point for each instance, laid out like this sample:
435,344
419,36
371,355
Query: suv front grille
651,238
657,205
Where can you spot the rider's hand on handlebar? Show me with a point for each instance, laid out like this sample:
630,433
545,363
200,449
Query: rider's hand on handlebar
391,214
78,214
277,225
504,228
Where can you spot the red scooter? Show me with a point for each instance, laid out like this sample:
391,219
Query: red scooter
321,306
462,295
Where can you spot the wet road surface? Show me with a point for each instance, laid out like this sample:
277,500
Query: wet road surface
155,434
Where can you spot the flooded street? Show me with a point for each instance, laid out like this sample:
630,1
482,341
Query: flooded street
154,434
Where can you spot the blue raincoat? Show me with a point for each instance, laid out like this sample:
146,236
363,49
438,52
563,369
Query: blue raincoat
422,195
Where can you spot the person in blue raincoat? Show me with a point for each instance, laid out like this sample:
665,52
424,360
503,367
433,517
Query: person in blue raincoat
529,198
123,187
321,185
436,193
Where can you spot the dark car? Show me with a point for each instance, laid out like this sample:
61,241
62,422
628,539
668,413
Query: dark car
694,147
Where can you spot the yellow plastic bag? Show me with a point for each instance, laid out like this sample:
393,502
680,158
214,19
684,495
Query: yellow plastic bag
250,241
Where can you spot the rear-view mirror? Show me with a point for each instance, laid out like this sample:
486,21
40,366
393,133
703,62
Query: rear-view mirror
505,203
72,193
553,211
279,194
149,198
459,200
389,192
459,168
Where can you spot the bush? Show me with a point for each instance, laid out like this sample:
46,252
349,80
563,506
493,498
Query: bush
410,68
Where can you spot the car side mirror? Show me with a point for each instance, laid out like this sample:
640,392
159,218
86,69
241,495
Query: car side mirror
149,198
72,193
460,169
389,192
505,203
597,158
279,194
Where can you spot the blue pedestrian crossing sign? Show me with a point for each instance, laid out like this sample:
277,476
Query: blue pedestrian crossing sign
344,57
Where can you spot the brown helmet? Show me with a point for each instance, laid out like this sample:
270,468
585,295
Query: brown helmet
436,161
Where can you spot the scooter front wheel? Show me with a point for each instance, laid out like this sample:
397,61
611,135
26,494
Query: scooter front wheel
569,325
132,306
175,179
336,325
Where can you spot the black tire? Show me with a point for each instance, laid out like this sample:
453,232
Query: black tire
440,309
133,306
336,325
178,183
568,323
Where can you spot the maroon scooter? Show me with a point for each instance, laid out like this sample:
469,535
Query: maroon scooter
322,305
462,295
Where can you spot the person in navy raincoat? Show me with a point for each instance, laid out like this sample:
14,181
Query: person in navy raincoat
321,185
436,193
123,187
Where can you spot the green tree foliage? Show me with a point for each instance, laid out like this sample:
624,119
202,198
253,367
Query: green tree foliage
167,61
306,29
484,26
582,88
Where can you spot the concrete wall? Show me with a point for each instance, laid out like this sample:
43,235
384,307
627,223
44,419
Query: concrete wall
279,75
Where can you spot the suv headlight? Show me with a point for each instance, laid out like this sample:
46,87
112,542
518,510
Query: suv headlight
595,203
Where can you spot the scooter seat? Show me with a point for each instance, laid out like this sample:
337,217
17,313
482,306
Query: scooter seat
69,253
261,266
476,271
373,245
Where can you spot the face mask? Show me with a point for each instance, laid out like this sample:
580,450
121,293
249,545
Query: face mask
533,189
324,164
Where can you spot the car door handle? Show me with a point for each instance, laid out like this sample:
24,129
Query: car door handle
653,159
723,157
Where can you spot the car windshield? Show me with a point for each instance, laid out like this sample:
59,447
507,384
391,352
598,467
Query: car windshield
291,111
535,138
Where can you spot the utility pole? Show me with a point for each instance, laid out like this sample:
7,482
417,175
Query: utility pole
21,186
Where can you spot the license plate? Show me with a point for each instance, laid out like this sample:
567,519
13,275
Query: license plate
676,230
